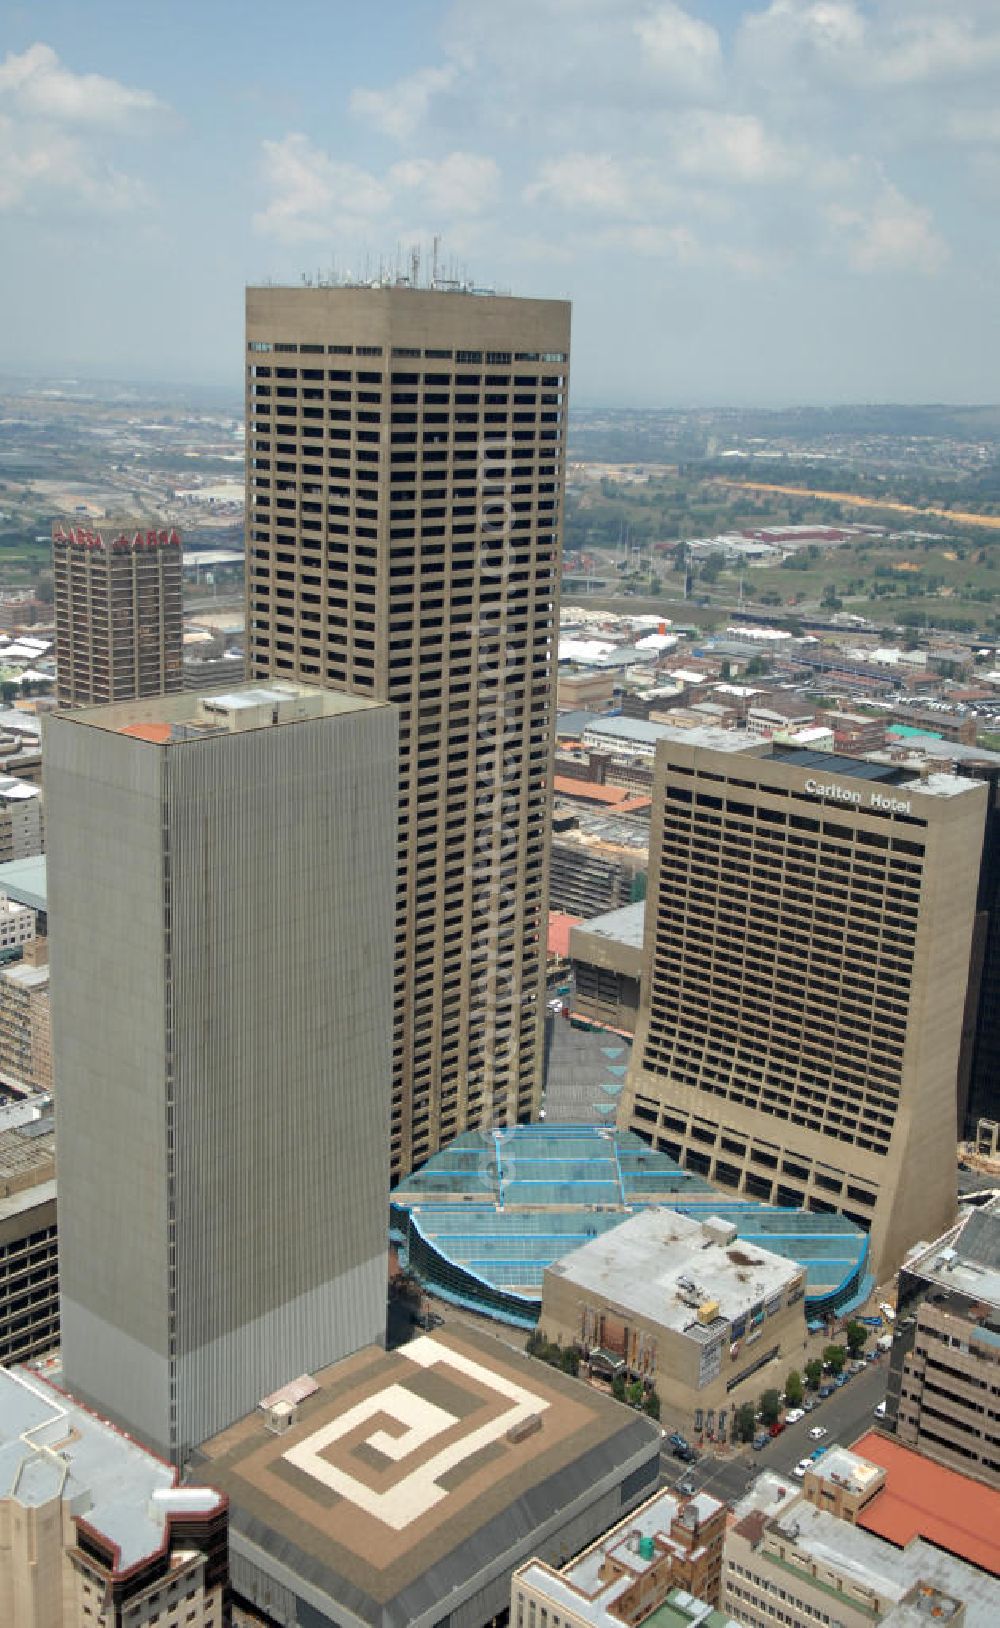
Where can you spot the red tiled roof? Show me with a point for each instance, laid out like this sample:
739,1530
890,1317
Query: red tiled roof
928,1500
148,732
559,929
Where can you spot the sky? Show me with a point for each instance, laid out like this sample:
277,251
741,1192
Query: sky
750,202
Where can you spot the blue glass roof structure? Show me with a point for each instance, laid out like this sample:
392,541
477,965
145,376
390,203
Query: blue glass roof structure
481,1220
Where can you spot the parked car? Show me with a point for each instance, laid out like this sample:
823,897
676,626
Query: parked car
817,1455
841,1381
818,1432
801,1467
686,1487
887,1312
760,1440
824,1391
684,1453
808,1405
794,1415
880,1411
676,1439
777,1427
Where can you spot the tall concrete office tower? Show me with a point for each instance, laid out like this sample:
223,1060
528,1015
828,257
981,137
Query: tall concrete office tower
119,607
405,458
221,884
808,929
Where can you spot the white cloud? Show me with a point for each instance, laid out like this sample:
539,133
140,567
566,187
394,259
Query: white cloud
977,126
887,232
36,85
312,194
459,184
400,110
919,42
57,137
587,181
684,52
731,148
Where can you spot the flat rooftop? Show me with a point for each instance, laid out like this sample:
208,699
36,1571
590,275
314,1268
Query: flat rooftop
922,1499
51,1446
967,1258
25,881
666,1267
623,926
168,719
849,1470
411,1474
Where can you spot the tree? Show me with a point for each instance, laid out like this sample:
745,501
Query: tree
651,1405
770,1407
569,1361
856,1336
835,1356
634,1393
746,1423
814,1373
618,1388
793,1389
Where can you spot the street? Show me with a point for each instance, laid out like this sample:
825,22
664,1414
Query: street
846,1415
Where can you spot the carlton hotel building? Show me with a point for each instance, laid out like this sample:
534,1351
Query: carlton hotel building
806,961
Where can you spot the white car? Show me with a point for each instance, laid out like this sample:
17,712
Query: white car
887,1312
794,1415
818,1432
880,1411
801,1467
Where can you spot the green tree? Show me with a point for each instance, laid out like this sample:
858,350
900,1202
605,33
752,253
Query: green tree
651,1405
569,1361
770,1407
814,1373
793,1389
835,1356
856,1337
618,1388
746,1423
634,1393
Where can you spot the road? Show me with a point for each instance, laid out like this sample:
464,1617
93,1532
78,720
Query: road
847,1414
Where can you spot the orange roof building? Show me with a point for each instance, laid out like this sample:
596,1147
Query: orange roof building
620,798
922,1499
559,931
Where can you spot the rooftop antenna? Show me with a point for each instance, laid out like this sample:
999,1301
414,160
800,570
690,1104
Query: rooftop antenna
415,266
434,261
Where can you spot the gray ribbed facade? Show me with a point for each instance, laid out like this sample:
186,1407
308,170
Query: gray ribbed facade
222,910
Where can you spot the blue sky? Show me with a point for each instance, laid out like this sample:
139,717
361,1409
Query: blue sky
749,201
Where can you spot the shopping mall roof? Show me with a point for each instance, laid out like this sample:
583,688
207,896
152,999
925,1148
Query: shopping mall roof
24,880
483,1218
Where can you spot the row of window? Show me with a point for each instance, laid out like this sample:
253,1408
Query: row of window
492,358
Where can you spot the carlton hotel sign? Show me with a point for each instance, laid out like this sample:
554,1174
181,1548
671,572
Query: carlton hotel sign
847,794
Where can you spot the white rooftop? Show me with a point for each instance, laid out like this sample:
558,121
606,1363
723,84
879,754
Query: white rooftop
664,1267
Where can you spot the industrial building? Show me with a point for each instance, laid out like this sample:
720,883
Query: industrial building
221,1046
481,1221
405,465
943,1396
94,1529
809,923
489,1458
684,1305
669,1544
119,611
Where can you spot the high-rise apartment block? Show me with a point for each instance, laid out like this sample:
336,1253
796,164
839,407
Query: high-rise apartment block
21,834
222,1044
808,929
119,607
405,456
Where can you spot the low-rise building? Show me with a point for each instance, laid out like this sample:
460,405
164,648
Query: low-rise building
843,1483
407,1486
681,1304
788,1561
943,1396
17,925
778,713
668,1543
93,1528
20,819
606,961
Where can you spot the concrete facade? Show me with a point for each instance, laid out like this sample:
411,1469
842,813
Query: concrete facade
221,1046
606,957
405,465
808,932
119,610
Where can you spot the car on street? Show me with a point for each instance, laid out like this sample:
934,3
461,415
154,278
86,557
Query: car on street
801,1467
815,1457
686,1487
818,1432
684,1453
777,1427
760,1440
880,1411
676,1439
794,1415
825,1391
887,1312
808,1405
841,1381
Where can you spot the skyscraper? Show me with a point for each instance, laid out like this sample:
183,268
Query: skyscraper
405,459
808,929
220,877
119,607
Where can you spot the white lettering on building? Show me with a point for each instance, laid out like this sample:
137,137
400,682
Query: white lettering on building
846,794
